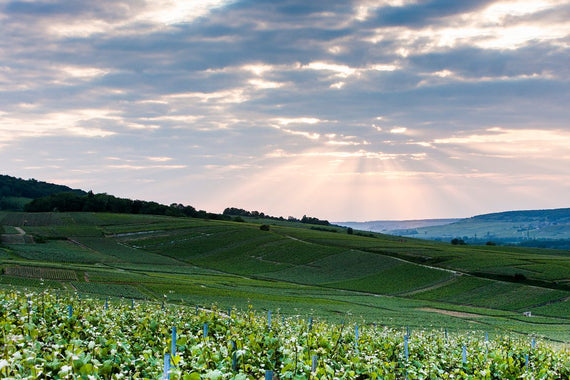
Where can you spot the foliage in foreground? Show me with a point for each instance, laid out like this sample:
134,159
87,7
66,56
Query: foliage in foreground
46,336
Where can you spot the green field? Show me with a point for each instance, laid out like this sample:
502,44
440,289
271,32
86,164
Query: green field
292,268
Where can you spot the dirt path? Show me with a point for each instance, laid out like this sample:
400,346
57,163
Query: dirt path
431,287
18,238
459,314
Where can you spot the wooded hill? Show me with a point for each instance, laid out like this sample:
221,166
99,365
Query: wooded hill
15,193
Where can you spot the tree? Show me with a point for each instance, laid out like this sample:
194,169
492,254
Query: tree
457,241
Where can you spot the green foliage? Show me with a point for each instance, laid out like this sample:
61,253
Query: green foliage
129,340
15,193
312,220
72,202
457,241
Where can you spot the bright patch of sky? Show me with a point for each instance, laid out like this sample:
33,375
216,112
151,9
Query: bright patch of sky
343,110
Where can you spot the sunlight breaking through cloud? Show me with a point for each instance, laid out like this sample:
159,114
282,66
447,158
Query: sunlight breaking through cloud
373,109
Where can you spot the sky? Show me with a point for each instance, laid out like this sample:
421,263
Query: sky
342,110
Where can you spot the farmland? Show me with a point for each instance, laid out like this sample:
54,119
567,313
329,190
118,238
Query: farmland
291,268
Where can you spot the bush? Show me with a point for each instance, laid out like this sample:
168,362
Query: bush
264,227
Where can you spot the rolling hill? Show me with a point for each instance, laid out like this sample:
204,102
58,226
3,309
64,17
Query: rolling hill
180,255
290,267
533,228
15,193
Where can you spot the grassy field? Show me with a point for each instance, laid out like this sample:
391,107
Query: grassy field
300,271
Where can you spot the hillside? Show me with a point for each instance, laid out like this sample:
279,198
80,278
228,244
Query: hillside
533,228
15,193
290,267
387,226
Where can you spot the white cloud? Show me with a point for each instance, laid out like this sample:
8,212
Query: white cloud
298,120
398,130
173,11
522,143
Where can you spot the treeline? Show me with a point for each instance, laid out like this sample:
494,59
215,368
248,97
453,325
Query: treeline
233,211
31,188
30,195
16,192
71,202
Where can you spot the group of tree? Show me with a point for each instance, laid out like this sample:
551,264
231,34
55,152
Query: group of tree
16,192
311,220
90,202
233,211
31,188
37,196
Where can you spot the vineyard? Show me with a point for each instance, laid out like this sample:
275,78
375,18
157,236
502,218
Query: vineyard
66,336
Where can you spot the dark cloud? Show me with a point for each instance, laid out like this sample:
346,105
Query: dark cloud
44,8
475,62
103,9
423,12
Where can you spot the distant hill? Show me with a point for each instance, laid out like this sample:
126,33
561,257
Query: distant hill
15,193
536,228
386,226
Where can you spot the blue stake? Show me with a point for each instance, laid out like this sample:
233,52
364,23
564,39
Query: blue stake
310,323
70,311
356,336
166,372
314,361
533,343
526,361
173,345
205,330
106,303
234,356
406,351
268,375
464,354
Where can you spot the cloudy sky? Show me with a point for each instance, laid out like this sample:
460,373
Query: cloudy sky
343,110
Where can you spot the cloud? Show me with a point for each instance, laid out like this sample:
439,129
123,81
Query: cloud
228,92
535,143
